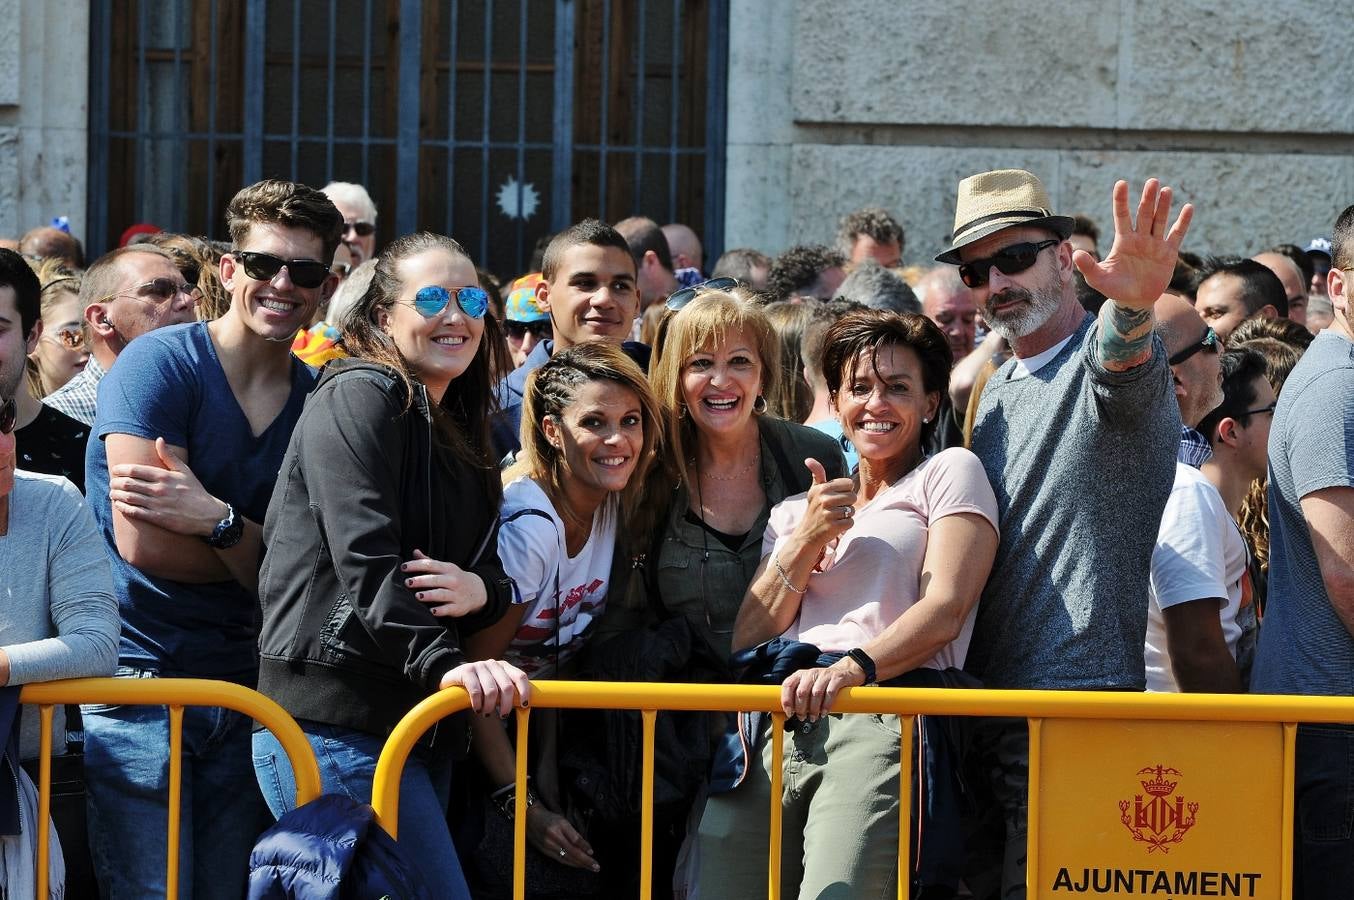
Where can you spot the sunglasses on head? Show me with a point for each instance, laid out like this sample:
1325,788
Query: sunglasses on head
363,229
8,413
677,299
540,329
1208,342
1008,260
304,273
433,300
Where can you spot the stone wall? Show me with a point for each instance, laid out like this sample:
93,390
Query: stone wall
44,84
1247,109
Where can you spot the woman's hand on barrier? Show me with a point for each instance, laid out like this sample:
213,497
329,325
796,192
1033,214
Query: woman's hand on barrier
493,685
831,507
556,837
810,693
446,588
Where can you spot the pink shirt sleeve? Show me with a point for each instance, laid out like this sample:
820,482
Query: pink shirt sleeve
957,483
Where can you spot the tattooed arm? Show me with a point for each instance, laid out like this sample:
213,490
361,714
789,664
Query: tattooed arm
1138,268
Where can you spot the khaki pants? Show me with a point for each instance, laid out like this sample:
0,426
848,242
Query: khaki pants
839,836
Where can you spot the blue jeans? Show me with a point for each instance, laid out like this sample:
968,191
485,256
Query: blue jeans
347,761
1323,815
127,778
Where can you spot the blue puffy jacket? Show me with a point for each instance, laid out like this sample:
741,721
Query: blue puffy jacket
331,849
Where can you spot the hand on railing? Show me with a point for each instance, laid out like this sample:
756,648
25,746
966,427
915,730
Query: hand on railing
493,685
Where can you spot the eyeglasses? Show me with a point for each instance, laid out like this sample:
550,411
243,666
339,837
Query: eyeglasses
432,300
304,273
8,413
1263,409
1008,260
1208,342
160,290
540,329
363,229
677,299
70,338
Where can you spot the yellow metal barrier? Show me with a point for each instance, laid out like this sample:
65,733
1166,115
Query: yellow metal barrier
1036,706
176,693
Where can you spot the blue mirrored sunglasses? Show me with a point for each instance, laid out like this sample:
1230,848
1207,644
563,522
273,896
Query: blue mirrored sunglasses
432,300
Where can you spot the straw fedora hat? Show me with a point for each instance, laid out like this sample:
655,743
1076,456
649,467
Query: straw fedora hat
991,201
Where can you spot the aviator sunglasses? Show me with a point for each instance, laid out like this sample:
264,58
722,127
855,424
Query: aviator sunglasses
363,229
432,300
304,273
1009,261
677,299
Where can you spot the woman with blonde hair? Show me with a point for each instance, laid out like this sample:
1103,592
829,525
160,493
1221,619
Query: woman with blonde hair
61,353
727,460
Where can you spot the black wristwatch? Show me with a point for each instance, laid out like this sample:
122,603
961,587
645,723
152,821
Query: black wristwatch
227,532
863,660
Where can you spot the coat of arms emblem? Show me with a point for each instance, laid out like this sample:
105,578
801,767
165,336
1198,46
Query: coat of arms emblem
1158,817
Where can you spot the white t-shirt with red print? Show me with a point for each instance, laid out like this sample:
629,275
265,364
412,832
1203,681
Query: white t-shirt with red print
564,595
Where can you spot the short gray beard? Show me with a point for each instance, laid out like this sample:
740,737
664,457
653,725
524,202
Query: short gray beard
1043,304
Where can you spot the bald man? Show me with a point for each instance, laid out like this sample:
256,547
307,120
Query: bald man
1294,284
685,246
52,243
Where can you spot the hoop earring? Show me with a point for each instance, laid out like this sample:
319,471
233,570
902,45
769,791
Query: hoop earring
759,405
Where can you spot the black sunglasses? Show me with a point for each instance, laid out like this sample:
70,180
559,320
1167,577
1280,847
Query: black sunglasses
1263,409
304,273
677,299
8,413
1208,342
363,229
540,329
1008,260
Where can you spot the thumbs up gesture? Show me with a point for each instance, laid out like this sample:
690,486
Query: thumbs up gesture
832,504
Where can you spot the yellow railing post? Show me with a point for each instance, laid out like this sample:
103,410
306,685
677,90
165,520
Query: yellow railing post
175,799
1032,809
1290,757
519,822
650,717
777,740
44,799
905,736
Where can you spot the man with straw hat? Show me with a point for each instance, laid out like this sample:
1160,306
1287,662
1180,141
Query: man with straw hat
1078,433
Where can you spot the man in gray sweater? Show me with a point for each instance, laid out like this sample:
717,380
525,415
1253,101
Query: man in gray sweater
1078,433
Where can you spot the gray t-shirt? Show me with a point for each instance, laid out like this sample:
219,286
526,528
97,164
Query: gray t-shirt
1082,461
1304,646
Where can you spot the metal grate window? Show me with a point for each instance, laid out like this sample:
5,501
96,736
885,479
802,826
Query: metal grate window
495,121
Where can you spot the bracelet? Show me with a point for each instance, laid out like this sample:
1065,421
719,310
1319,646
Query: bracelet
505,799
785,577
863,660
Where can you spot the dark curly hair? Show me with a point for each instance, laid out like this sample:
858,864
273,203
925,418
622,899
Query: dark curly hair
799,268
874,223
286,203
859,334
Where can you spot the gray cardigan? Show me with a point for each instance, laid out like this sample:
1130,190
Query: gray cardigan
59,618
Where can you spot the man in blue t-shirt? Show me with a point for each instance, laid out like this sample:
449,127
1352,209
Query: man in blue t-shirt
1307,642
192,426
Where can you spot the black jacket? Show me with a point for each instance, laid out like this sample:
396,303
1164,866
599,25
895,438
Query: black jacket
362,486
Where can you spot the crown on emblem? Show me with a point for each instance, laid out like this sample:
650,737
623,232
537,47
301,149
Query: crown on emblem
1158,786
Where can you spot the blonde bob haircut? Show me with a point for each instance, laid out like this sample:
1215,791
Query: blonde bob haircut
551,389
703,325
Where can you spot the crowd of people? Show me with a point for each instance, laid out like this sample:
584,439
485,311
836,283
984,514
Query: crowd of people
352,476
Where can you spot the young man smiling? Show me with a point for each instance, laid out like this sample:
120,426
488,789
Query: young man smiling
589,286
192,425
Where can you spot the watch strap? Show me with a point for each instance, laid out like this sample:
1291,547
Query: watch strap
863,660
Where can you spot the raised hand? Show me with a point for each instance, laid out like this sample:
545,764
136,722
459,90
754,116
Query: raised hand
1141,261
445,587
831,506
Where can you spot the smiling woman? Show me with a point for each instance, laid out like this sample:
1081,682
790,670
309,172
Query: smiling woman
387,497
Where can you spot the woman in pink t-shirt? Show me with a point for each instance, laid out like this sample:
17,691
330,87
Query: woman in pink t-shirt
884,568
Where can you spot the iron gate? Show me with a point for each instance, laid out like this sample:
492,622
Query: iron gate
495,121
